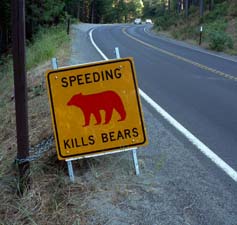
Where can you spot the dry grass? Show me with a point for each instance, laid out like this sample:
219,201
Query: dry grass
232,29
105,190
48,200
52,199
41,200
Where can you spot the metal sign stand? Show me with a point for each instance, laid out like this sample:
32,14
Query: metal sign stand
134,151
70,167
69,161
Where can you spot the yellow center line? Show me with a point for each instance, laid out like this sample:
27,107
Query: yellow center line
217,72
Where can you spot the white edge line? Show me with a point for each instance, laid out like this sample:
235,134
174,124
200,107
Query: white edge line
96,47
189,47
195,141
201,146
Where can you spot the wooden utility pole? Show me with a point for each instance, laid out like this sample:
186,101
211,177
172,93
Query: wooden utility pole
18,34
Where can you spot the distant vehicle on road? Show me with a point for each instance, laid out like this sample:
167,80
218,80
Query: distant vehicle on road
137,21
148,21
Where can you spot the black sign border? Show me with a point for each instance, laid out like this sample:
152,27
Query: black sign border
93,65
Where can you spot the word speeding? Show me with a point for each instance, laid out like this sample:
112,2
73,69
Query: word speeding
92,77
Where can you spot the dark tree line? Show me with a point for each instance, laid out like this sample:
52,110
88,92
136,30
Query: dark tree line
41,13
38,13
155,7
5,20
104,11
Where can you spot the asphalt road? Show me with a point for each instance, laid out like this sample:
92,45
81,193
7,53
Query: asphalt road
194,86
178,184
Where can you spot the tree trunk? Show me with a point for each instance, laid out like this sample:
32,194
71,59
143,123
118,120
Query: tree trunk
78,11
186,8
179,6
211,4
201,8
92,11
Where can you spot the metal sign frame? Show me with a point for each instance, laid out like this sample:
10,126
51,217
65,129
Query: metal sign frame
69,160
53,76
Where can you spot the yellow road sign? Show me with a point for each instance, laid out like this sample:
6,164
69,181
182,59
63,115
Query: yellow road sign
95,108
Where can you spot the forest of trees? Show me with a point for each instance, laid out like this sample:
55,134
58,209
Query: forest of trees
182,19
157,7
51,12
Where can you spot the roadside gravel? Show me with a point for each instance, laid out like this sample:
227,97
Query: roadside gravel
177,185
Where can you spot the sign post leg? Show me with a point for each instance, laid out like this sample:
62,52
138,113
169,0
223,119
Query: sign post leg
136,165
54,63
70,171
117,53
134,151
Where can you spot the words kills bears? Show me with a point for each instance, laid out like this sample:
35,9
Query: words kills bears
111,136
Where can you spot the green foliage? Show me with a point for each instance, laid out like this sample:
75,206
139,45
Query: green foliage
217,25
47,13
220,10
193,9
233,9
4,25
38,14
135,8
217,40
185,32
121,11
6,78
217,37
45,45
218,21
150,9
105,11
5,16
167,20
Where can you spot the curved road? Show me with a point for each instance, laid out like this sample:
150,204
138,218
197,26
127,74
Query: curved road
197,88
